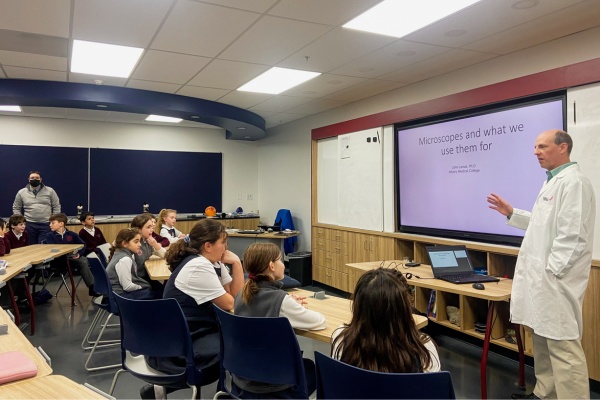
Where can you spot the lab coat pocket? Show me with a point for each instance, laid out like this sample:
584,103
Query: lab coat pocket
541,214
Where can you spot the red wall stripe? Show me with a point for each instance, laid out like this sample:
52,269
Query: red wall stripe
555,79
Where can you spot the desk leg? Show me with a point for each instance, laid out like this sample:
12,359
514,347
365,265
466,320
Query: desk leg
31,305
486,348
72,283
517,329
14,304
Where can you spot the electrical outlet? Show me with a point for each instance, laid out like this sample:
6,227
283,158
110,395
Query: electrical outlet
249,197
239,196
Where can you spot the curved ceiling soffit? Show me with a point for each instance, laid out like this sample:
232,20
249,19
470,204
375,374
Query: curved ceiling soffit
239,124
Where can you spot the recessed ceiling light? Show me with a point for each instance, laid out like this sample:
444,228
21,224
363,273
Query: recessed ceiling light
101,106
11,108
247,137
277,80
161,118
525,4
104,59
399,18
241,128
455,33
195,116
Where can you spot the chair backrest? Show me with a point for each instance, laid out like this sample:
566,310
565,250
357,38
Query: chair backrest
102,283
337,380
260,349
104,248
154,328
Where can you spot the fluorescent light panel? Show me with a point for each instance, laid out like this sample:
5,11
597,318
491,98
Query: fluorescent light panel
104,59
161,118
399,18
11,108
277,80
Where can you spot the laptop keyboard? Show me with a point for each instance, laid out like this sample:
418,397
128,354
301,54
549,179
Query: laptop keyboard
470,278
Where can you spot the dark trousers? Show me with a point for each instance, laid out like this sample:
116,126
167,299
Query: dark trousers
37,231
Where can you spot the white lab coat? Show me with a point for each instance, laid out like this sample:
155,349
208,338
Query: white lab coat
554,262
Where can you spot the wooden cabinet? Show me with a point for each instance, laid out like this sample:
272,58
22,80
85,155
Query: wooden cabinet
330,256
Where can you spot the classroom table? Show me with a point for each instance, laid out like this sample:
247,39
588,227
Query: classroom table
48,387
23,258
14,340
337,311
239,242
157,268
494,293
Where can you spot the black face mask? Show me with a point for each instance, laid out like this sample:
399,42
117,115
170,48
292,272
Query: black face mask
35,182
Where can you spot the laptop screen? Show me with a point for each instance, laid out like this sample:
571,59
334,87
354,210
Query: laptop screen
448,259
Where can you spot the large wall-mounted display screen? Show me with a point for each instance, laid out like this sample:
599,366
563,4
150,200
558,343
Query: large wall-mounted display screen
447,166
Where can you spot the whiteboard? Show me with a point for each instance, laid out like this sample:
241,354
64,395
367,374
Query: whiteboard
583,116
360,188
327,181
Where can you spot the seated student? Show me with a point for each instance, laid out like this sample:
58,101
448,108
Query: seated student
262,297
381,310
166,225
61,235
90,234
17,235
122,269
149,247
4,247
200,279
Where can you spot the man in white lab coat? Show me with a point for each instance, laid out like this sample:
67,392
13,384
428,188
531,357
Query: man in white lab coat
553,268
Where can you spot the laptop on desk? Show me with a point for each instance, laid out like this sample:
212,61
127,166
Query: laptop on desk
452,264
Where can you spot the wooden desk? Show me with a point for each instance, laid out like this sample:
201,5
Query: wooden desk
337,311
16,341
23,258
48,387
239,242
157,268
469,302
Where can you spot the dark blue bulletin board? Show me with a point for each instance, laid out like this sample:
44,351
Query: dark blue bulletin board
62,168
121,181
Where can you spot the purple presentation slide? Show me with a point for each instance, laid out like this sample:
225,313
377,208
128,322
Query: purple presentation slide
447,169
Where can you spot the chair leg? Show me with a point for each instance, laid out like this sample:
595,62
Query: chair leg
31,305
96,346
14,304
101,343
195,392
86,340
114,382
72,283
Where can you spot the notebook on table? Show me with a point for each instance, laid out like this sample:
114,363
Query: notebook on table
452,264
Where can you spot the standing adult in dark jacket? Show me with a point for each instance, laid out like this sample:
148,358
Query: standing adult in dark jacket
37,202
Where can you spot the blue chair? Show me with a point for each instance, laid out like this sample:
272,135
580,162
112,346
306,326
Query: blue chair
106,305
260,349
337,380
158,328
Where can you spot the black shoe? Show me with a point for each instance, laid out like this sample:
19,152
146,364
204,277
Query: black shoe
93,293
147,392
523,396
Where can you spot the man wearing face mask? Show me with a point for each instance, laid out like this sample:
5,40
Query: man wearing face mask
37,202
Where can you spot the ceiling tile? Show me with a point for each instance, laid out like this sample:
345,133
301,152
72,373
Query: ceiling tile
161,66
323,85
126,23
330,12
259,6
154,86
480,20
106,80
273,39
399,54
280,103
244,99
567,21
318,106
370,88
201,29
33,43
335,48
27,60
282,118
32,73
202,92
438,65
36,16
227,74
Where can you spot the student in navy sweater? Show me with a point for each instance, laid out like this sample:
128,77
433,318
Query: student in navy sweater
90,234
17,235
61,235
